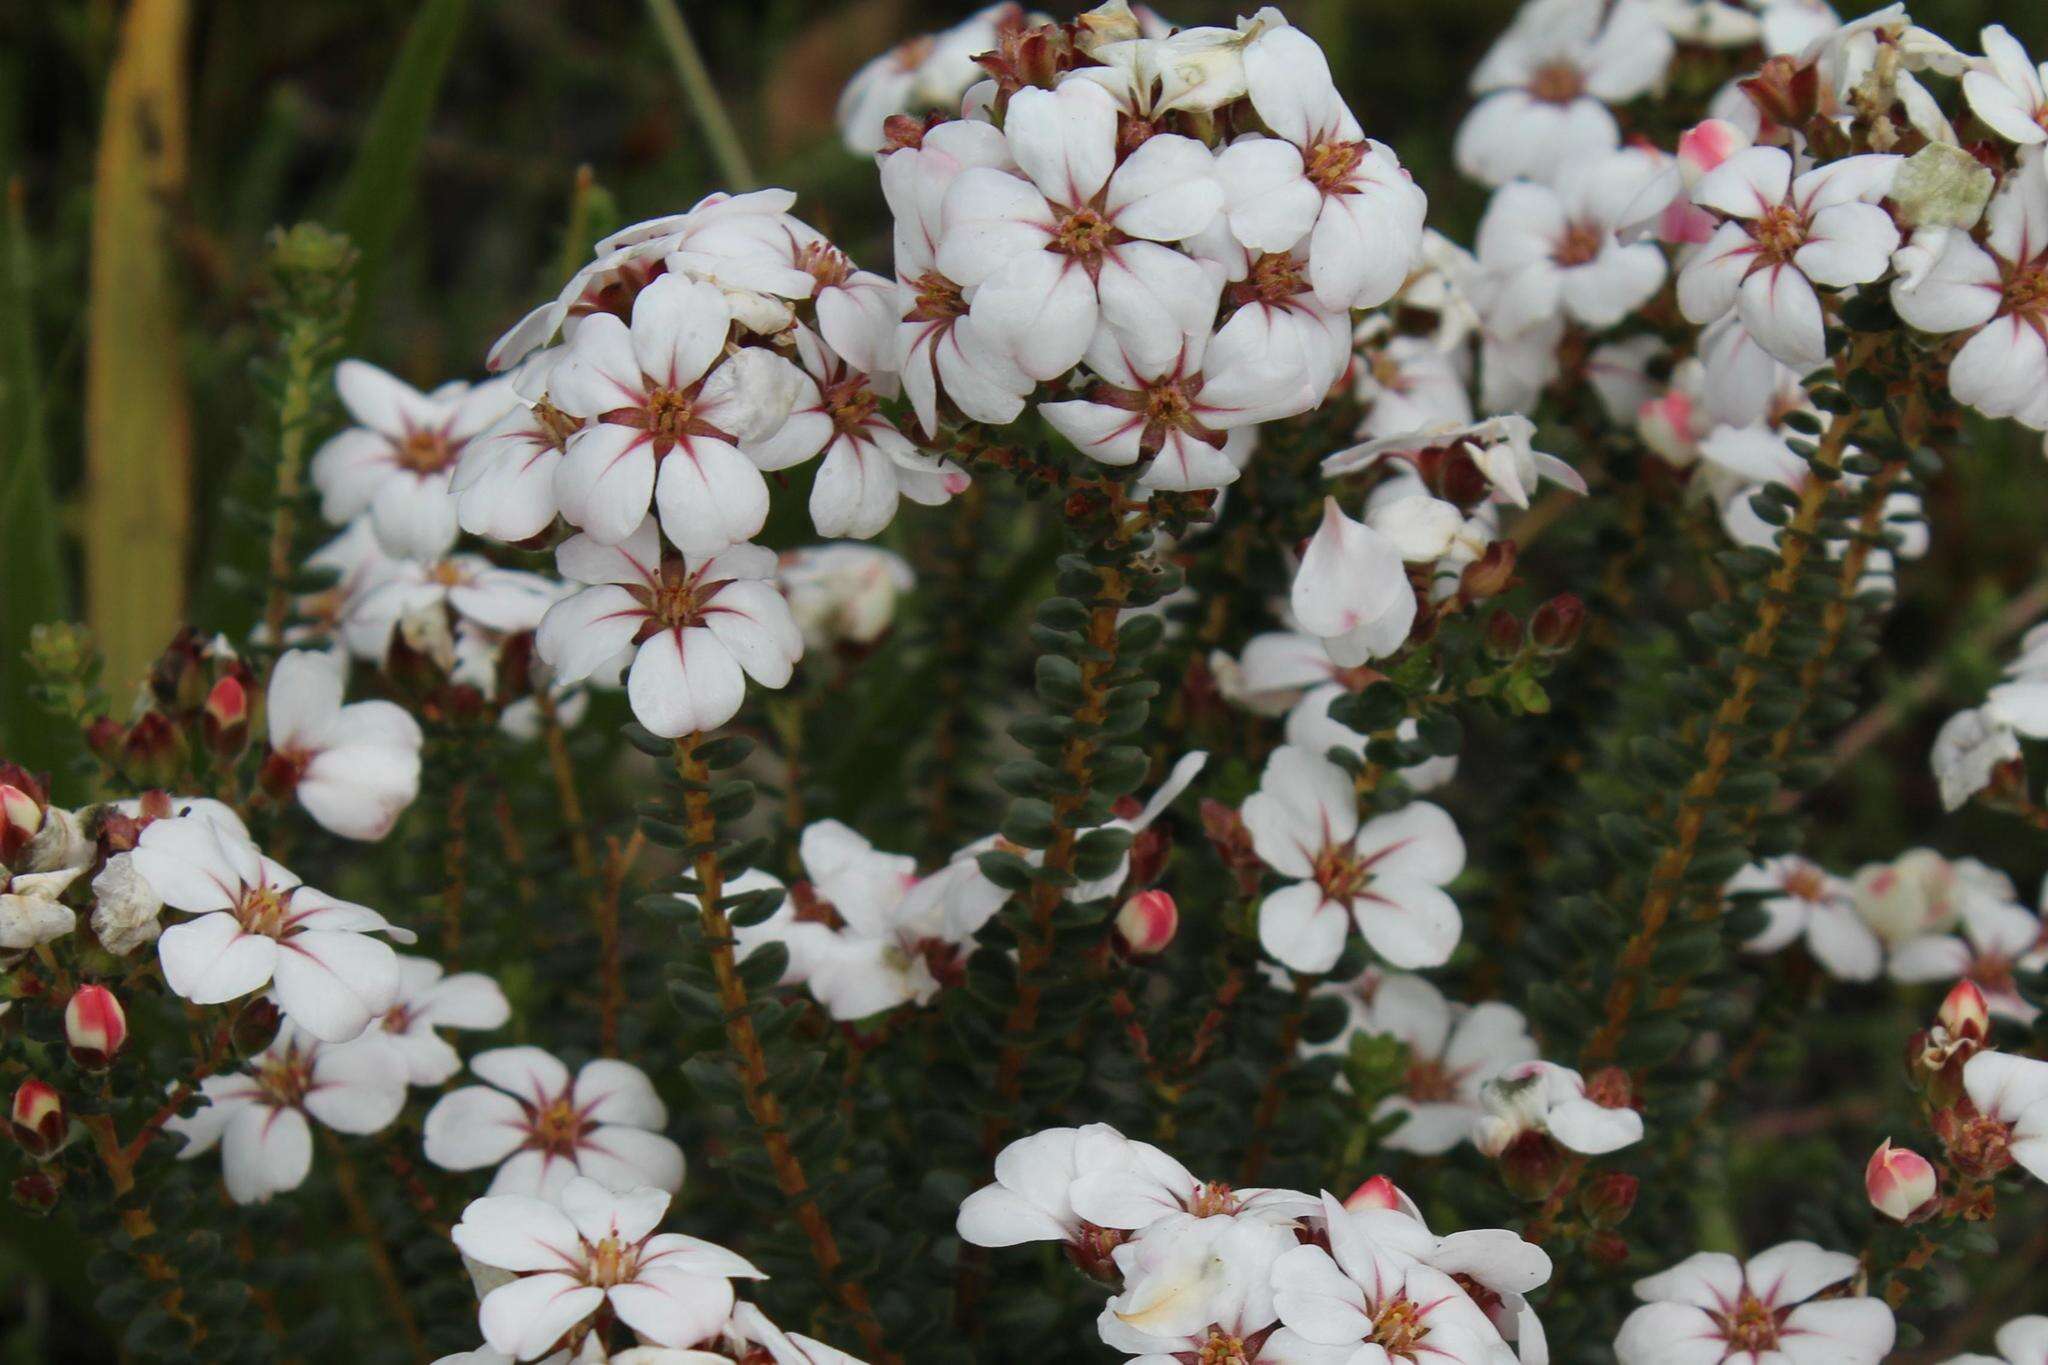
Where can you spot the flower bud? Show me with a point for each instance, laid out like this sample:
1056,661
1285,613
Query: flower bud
1376,1193
226,720
1901,1183
152,750
1147,923
1555,627
1490,575
1503,635
95,1027
38,1116
1610,1088
1531,1163
1964,1012
21,812
1607,1248
1608,1198
256,1026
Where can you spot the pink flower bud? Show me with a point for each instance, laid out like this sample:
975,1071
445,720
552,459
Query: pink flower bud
1706,145
1608,1198
38,1115
1376,1193
36,1192
1900,1182
1964,1012
1147,923
228,703
95,1027
22,812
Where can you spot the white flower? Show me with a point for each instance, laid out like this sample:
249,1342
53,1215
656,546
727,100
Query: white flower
1543,1097
698,626
30,912
938,344
1710,1307
504,484
2023,1341
1352,589
395,467
599,1249
1188,416
868,934
255,925
428,1000
1324,186
1077,240
1968,748
358,565
1386,875
1499,446
547,1128
931,71
259,1117
1920,892
1546,83
842,592
2012,1092
1195,1287
1453,1050
2005,91
1783,237
1802,899
674,420
1409,382
354,768
1371,1295
1996,293
1543,249
418,598
1998,937
869,465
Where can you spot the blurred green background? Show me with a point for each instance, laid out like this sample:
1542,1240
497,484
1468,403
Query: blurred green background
146,149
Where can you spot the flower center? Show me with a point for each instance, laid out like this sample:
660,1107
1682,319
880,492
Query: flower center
1780,230
286,1079
1978,1144
1276,278
558,1128
1805,884
1399,1329
825,263
851,404
1213,1199
1579,245
264,910
1557,83
1429,1081
1329,165
611,1262
615,294
1222,1349
1342,873
670,413
1085,234
425,452
1752,1327
2026,290
679,599
938,299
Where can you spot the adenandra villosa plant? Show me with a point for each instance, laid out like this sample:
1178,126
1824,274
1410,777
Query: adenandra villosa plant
641,919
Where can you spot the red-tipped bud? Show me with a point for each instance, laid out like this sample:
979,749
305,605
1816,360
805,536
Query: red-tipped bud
1901,1183
95,1027
1607,1248
38,1117
227,705
1555,627
1377,1193
1965,1013
21,816
1147,923
151,749
1610,1088
1503,635
1607,1198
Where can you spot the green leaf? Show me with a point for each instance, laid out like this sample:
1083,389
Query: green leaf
378,192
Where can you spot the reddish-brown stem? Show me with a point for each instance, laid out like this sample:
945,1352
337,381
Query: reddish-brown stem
751,1062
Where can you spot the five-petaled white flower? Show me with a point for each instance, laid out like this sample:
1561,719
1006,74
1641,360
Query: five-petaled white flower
1711,1308
355,768
1545,86
395,467
2005,91
1453,1050
1802,899
1543,249
259,1118
1998,938
698,626
930,71
255,925
428,999
2010,1097
1543,1098
1386,874
1784,236
597,1249
1077,240
673,419
542,1128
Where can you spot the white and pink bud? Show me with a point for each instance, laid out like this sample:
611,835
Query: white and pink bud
38,1117
1378,1193
20,812
1964,1012
1147,923
95,1027
1901,1183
